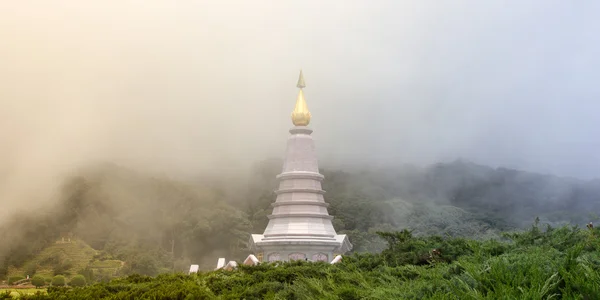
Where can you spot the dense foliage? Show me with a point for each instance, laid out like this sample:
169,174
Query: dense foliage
550,263
77,281
38,281
59,280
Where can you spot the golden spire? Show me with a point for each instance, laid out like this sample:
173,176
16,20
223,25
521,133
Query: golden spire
301,83
301,115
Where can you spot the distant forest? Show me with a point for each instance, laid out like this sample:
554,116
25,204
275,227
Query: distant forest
158,224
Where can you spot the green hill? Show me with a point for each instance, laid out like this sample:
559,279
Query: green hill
66,258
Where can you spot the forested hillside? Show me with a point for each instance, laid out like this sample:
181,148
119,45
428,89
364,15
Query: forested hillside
159,224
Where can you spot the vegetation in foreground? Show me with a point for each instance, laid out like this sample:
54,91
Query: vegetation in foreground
16,293
541,263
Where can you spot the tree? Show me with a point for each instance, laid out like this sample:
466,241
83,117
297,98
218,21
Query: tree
145,264
58,280
38,281
77,281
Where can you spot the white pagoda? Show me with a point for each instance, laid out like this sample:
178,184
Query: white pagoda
300,226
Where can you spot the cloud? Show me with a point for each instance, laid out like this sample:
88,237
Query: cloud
184,87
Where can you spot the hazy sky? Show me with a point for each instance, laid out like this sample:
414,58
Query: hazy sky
175,85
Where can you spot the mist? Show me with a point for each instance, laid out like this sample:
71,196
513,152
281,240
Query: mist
190,87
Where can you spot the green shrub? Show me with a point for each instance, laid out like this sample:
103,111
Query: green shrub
58,280
38,281
6,295
77,281
142,264
13,279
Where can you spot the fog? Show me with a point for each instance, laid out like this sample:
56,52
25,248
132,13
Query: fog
189,87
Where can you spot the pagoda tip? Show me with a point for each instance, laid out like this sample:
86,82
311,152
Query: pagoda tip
301,83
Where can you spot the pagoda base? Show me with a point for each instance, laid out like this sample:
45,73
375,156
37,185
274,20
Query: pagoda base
307,248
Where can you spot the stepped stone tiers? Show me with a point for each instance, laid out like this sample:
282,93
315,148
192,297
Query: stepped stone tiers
300,225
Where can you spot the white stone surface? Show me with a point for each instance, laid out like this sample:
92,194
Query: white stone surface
220,263
251,260
194,269
231,265
336,260
300,225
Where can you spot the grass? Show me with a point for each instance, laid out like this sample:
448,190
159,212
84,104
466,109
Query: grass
15,293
